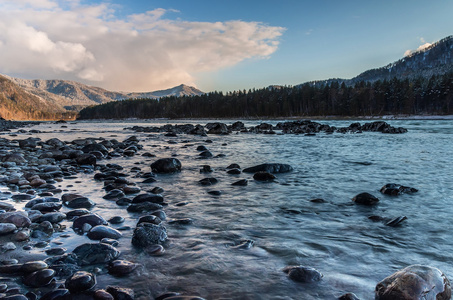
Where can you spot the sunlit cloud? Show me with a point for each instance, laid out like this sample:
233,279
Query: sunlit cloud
140,52
420,48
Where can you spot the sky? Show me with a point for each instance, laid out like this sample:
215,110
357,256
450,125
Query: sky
148,45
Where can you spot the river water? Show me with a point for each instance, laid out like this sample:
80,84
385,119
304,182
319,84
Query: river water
335,237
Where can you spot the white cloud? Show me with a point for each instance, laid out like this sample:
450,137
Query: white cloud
420,48
142,52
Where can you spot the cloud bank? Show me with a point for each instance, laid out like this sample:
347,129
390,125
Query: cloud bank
65,39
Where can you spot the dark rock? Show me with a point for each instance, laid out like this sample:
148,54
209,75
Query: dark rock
47,206
234,171
202,148
18,218
76,213
154,198
53,217
271,168
206,154
242,182
95,147
15,297
396,189
157,190
39,278
116,220
215,193
7,228
348,296
143,207
155,250
217,128
149,180
303,274
90,254
102,295
58,294
120,293
121,267
185,221
160,214
263,176
166,165
205,169
167,295
208,181
146,234
22,197
114,195
33,266
80,202
99,232
91,219
55,251
86,159
149,219
365,199
318,200
415,282
80,281
6,206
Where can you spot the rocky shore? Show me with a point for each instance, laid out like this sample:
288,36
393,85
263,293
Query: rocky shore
31,169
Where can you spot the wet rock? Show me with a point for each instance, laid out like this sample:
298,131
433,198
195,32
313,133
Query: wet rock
234,171
39,278
91,219
80,281
21,235
242,182
80,202
9,246
206,169
160,214
303,274
155,250
149,180
120,293
157,190
208,181
7,228
205,154
348,296
143,207
271,168
263,176
396,189
6,206
318,200
18,218
215,193
14,157
184,221
396,221
415,282
47,206
167,295
114,195
76,213
97,253
99,232
121,267
55,251
58,294
154,198
146,234
15,297
33,266
131,189
86,159
43,230
166,165
22,197
149,219
95,147
217,128
365,199
184,298
116,220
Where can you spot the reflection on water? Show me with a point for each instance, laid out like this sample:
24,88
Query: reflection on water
335,237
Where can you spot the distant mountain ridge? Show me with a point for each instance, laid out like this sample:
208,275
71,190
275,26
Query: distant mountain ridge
72,95
436,59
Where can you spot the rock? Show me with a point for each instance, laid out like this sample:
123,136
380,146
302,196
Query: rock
149,219
39,278
271,168
217,128
6,206
184,298
205,169
7,228
114,195
98,253
365,199
47,207
146,234
415,282
205,154
121,267
348,296
55,251
102,295
80,202
154,198
14,157
91,219
95,147
18,218
396,221
396,189
155,249
76,213
58,294
208,181
303,274
80,281
215,193
86,159
9,246
184,221
120,293
166,165
99,232
116,220
160,214
242,182
263,176
234,171
143,207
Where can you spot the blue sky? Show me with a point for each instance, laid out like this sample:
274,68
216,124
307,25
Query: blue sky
215,45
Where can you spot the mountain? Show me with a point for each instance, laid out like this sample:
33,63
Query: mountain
436,59
73,96
18,104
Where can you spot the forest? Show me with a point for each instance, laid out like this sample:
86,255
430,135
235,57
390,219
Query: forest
419,96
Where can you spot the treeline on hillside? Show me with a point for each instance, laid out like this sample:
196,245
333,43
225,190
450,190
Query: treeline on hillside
412,97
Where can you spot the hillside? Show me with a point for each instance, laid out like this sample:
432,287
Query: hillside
18,104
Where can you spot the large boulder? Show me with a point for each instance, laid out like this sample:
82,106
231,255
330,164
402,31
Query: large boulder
271,168
166,165
415,282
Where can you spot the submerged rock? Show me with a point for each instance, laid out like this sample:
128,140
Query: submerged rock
146,234
415,282
365,199
80,281
263,176
166,165
97,253
396,189
271,168
303,274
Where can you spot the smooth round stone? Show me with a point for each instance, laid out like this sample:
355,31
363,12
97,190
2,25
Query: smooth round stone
303,274
123,202
22,197
234,172
242,182
39,278
116,220
348,296
76,213
41,244
102,295
208,181
9,246
57,294
149,180
18,218
80,202
53,217
155,249
131,190
80,281
56,251
112,242
166,165
146,234
22,235
263,176
7,228
91,219
215,193
157,190
184,221
121,267
233,166
414,282
154,198
149,219
33,266
10,268
365,199
160,214
120,293
114,195
144,206
101,231
6,206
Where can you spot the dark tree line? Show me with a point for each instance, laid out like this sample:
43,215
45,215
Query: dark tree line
420,96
